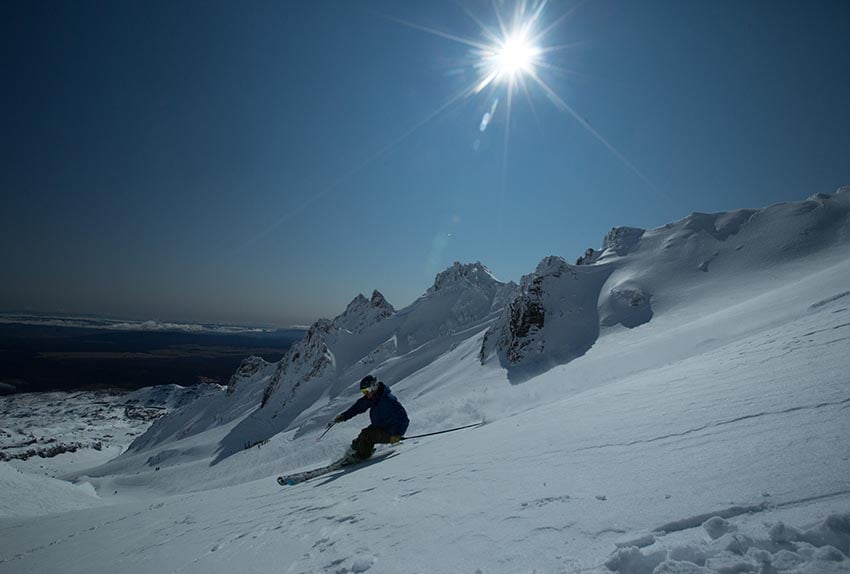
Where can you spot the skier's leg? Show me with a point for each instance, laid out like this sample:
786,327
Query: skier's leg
364,444
361,446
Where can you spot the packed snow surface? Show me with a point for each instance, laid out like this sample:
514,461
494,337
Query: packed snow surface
698,423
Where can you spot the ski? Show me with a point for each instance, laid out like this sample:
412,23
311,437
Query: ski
299,477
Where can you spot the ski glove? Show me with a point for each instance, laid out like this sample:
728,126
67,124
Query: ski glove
339,419
395,439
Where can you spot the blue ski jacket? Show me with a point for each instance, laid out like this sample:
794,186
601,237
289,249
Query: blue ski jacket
384,411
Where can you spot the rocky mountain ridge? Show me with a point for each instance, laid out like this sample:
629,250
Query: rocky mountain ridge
367,337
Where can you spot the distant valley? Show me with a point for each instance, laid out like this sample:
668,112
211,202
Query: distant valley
49,357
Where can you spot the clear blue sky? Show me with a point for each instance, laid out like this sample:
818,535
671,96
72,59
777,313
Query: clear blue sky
263,162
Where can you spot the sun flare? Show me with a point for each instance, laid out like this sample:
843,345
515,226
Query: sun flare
508,60
514,57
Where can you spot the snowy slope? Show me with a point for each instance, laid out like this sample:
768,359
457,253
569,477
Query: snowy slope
697,423
50,433
306,387
702,261
45,436
36,495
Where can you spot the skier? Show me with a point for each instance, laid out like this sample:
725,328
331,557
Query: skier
389,419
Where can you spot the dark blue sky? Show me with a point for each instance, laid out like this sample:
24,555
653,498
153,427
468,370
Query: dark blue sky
264,162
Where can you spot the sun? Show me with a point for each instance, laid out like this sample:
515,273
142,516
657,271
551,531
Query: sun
515,56
508,59
511,58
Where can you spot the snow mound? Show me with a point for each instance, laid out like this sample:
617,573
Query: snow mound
39,495
772,548
626,304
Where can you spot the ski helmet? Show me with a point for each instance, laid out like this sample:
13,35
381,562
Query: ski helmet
368,382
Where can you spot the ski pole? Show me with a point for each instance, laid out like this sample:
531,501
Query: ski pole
330,424
442,431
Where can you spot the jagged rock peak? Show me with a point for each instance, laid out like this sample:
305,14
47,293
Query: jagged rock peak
307,359
320,326
378,300
463,274
357,301
552,265
247,369
621,240
360,302
362,313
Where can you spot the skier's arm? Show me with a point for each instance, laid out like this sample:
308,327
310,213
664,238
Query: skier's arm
361,406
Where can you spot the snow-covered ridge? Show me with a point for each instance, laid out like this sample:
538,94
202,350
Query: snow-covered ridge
621,240
556,315
362,313
460,276
560,309
369,336
214,409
